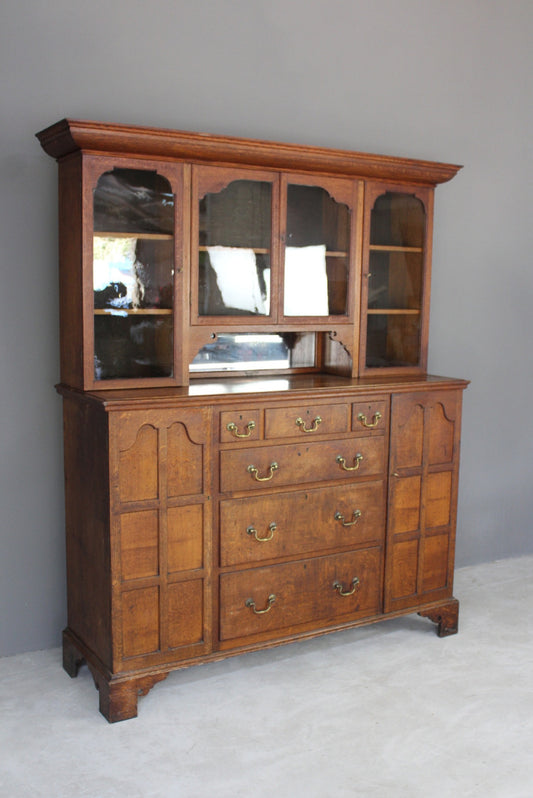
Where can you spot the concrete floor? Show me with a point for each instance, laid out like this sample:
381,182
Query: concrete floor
386,711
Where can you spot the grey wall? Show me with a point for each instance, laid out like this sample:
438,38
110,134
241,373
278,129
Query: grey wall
437,79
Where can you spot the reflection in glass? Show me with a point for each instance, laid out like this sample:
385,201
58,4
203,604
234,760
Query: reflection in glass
133,268
133,201
316,253
256,352
132,346
235,228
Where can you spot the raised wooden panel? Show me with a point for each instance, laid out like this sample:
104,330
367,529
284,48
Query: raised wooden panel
138,467
409,437
436,558
184,463
139,544
441,434
140,621
405,568
405,498
185,613
438,499
185,537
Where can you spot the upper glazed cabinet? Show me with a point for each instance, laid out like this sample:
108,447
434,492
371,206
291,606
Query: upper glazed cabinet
184,254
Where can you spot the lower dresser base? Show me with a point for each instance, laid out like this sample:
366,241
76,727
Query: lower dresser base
119,693
201,528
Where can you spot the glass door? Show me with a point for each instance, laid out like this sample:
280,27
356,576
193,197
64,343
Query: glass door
317,253
233,234
395,277
133,248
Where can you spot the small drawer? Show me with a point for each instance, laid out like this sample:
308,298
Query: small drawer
320,591
239,425
301,523
261,468
370,417
306,420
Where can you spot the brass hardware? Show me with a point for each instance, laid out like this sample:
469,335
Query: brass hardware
254,472
356,515
338,587
315,424
251,604
231,427
342,462
395,474
375,419
253,531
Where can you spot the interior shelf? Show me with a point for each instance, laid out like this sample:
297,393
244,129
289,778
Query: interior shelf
142,236
393,312
392,248
133,312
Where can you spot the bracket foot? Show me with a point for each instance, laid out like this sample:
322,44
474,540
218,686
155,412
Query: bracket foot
446,617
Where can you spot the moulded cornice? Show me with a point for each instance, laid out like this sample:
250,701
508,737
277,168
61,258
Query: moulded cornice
70,135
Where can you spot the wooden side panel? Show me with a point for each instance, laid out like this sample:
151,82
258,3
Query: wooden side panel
424,461
71,271
87,520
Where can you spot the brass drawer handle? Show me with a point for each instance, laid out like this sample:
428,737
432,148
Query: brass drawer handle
356,515
251,604
375,419
340,590
231,427
314,424
253,531
342,462
255,471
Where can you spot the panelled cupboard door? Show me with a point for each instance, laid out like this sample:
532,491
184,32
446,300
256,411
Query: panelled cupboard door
160,534
424,459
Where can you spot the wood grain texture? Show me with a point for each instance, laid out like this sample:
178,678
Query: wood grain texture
70,135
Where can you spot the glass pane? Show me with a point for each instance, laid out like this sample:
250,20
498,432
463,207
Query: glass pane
234,250
316,253
398,220
392,340
256,352
133,269
133,201
132,347
395,281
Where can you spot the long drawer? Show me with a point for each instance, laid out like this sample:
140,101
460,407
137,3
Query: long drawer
324,590
301,523
292,464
